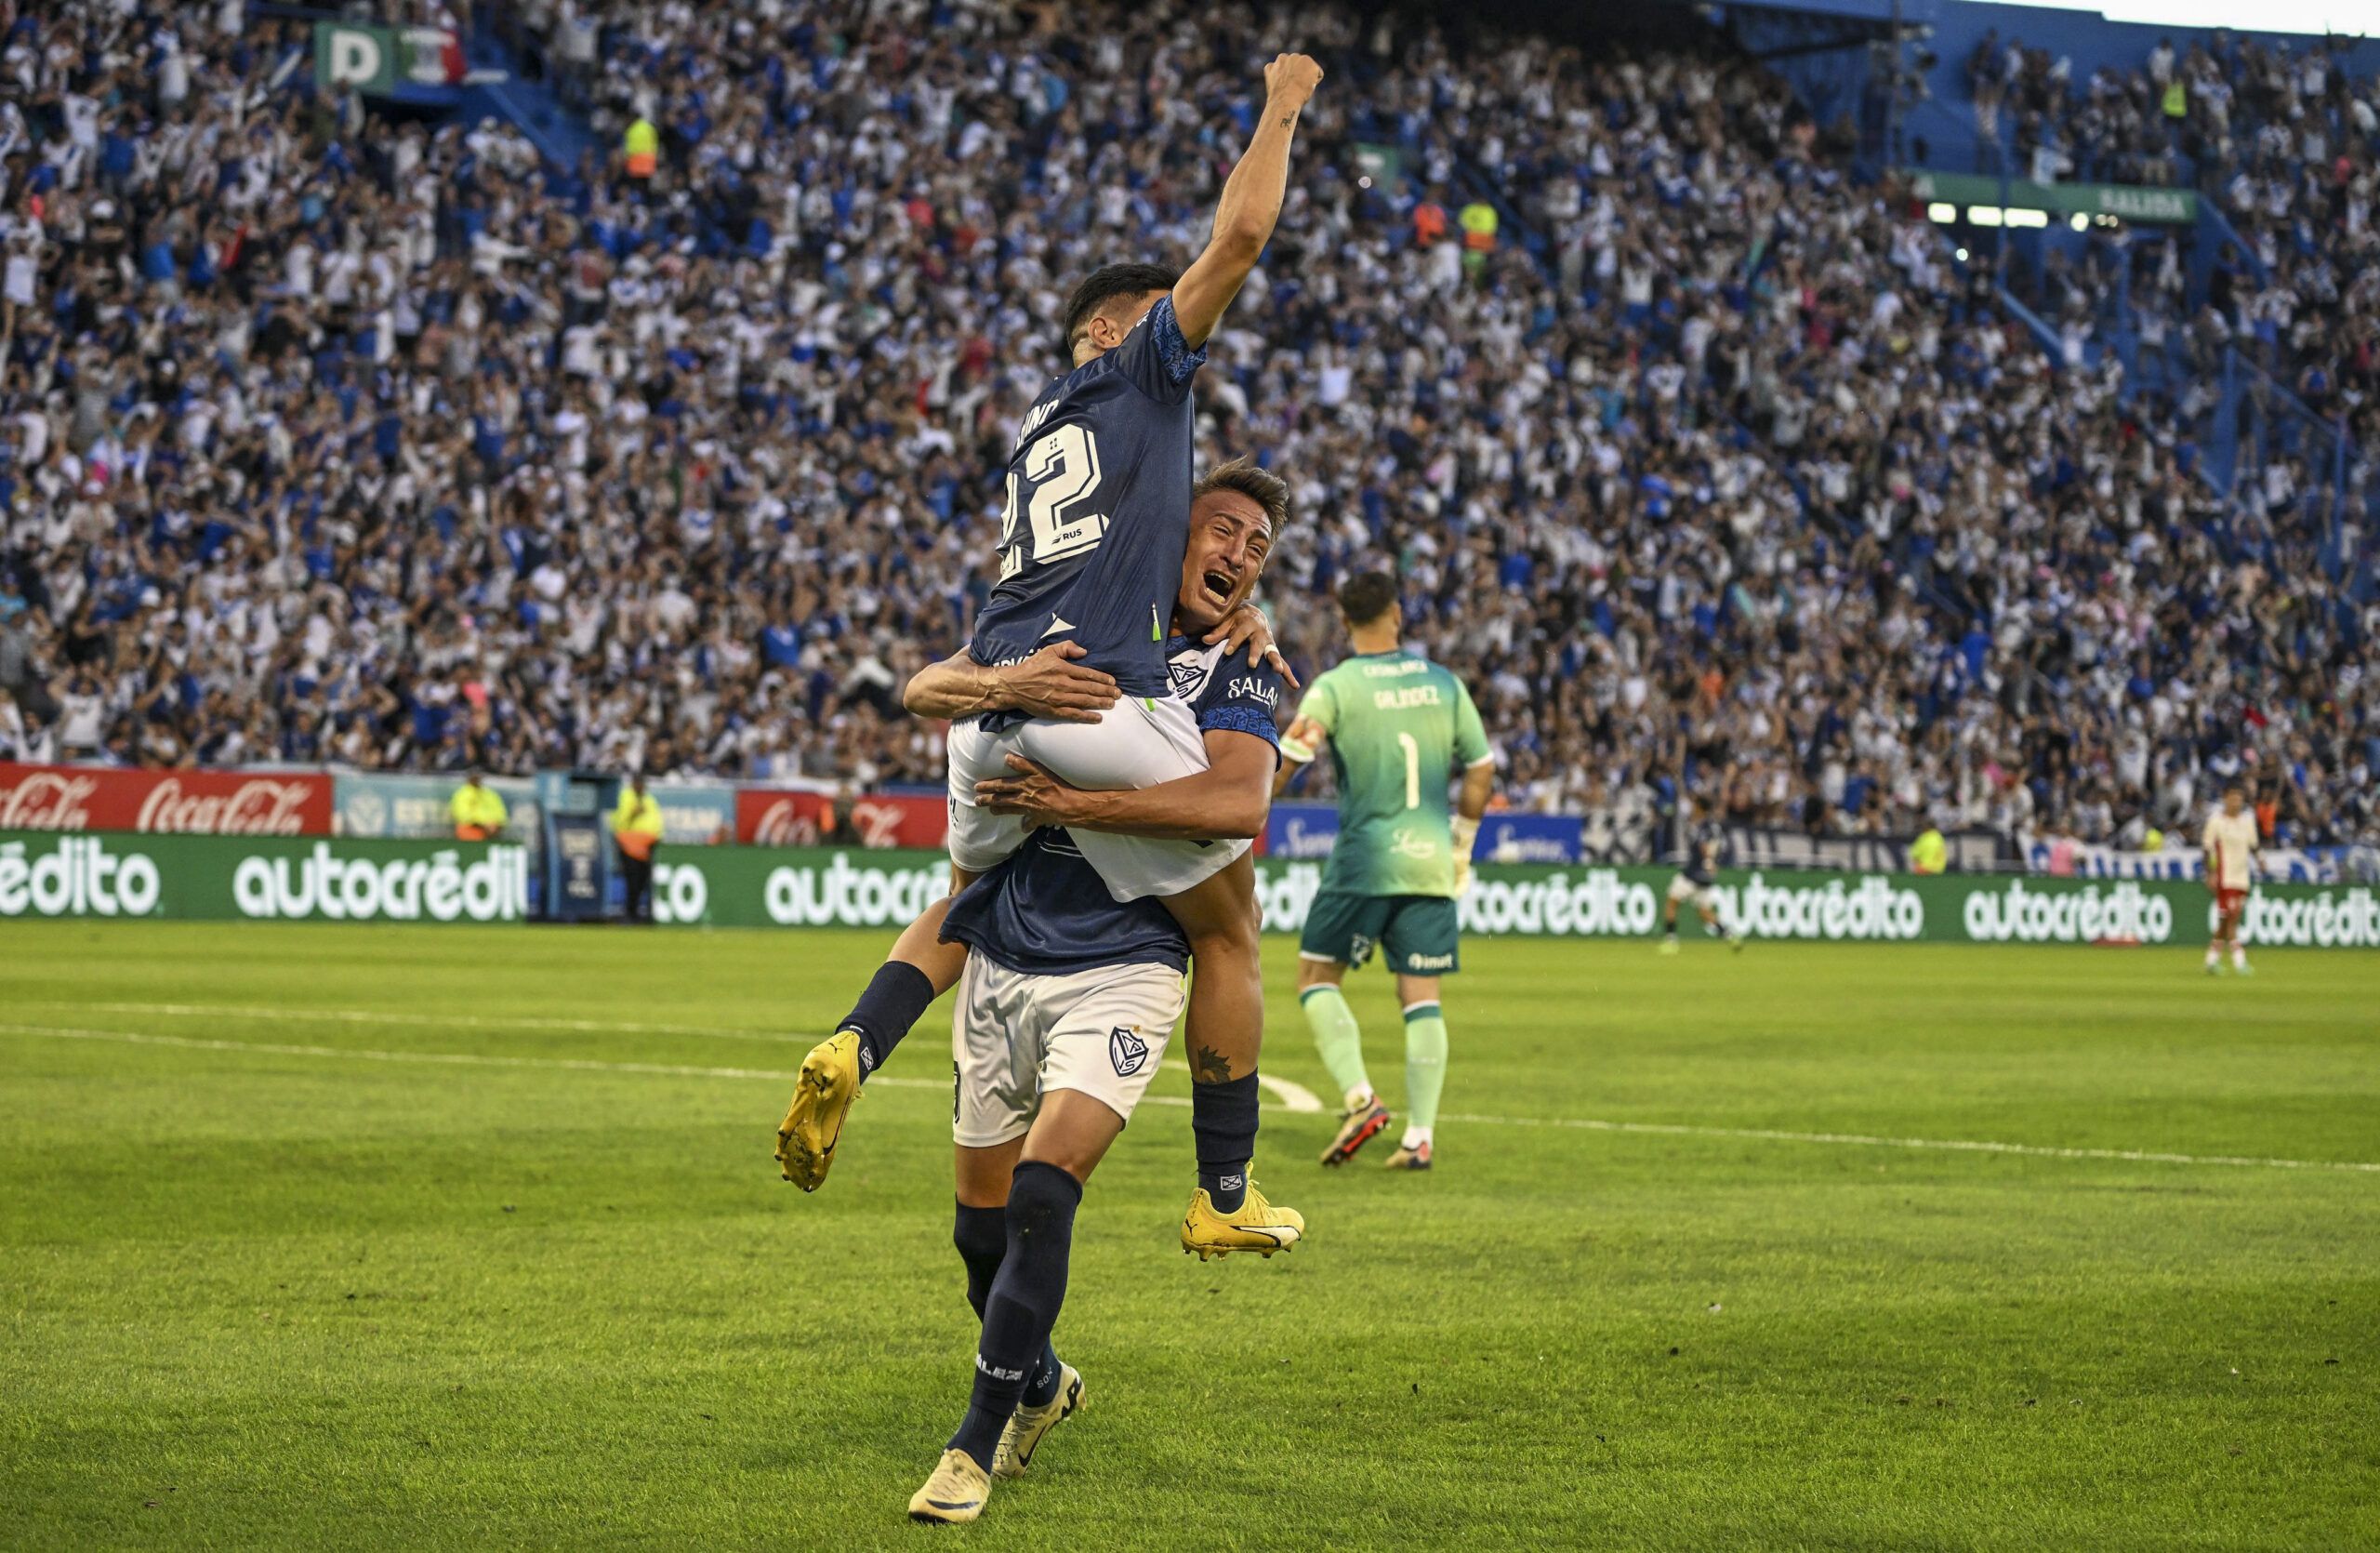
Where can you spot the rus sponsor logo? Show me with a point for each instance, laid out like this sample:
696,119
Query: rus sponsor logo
77,876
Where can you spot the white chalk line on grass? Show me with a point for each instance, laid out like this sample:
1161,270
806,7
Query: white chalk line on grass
1293,1095
1656,1129
458,1021
1866,1140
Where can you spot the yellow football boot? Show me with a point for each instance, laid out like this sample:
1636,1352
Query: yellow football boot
955,1494
1258,1227
822,1097
1027,1425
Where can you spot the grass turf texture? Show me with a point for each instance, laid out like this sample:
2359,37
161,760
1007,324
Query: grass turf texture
265,1299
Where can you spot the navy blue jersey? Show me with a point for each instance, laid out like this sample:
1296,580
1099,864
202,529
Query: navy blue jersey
1098,510
1046,911
1702,858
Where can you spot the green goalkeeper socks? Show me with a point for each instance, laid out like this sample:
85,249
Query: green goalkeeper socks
1425,1063
1336,1036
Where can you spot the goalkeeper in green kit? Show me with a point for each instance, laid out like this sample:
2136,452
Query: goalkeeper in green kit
1397,728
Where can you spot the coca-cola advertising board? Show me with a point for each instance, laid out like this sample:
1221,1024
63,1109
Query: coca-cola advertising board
780,816
206,803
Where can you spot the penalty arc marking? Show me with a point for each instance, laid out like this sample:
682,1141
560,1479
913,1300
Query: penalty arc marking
1655,1129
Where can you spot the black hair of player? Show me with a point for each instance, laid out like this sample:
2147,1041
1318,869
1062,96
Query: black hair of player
1366,596
1262,487
1105,284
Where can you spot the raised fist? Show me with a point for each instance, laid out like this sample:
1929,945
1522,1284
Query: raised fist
1291,79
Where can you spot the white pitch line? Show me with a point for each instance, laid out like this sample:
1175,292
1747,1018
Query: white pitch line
1866,1140
1293,1096
458,1021
1657,1129
574,1065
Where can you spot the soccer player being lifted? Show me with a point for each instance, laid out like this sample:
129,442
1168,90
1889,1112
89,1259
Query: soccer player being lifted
1094,534
1069,996
1397,727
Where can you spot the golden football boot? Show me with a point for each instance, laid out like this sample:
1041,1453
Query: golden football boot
955,1494
1258,1227
1410,1157
1027,1425
822,1098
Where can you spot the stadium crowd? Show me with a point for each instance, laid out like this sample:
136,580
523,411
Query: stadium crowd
337,438
2285,141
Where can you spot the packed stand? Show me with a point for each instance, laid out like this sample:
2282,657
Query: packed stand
333,439
2285,141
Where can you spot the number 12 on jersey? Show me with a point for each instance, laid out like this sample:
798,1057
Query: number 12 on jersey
1063,466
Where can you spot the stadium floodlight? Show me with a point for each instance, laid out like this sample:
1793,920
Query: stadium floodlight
1942,212
1984,215
2016,217
2078,222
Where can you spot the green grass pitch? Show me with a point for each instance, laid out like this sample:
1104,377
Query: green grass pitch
555,1293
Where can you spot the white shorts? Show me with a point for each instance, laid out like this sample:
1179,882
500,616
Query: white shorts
1137,744
1015,1038
1682,888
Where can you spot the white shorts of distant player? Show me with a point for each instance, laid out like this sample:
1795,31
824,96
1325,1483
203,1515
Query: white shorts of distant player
1139,744
1016,1038
1682,888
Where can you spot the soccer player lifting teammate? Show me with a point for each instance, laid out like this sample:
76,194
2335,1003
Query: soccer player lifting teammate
1092,550
2229,839
1069,997
1397,727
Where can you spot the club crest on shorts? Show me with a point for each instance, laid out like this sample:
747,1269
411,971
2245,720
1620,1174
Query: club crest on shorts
1127,1051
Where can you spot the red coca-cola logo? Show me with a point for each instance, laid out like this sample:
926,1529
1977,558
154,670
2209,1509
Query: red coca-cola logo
788,818
878,824
219,803
260,806
46,801
782,823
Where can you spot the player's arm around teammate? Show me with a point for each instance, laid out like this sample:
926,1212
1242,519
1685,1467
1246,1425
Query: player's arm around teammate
923,966
1220,570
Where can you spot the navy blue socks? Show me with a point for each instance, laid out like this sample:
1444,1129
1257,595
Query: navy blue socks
1022,1304
981,1236
896,999
1223,1122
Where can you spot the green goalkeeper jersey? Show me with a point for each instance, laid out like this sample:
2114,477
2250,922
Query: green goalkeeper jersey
1399,728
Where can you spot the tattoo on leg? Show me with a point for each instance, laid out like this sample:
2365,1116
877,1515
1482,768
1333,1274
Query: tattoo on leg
1210,1067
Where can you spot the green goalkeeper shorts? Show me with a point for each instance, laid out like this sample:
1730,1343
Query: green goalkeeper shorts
1418,932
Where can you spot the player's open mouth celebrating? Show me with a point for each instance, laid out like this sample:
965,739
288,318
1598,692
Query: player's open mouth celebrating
1220,587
